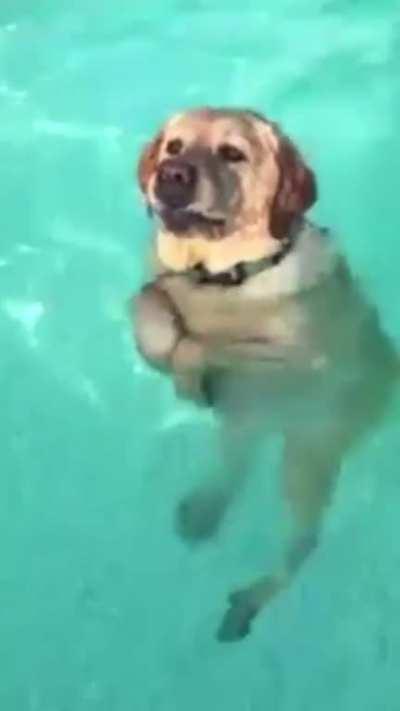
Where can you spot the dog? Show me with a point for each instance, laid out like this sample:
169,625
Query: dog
254,312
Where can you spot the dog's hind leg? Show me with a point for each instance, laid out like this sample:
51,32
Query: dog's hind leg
310,468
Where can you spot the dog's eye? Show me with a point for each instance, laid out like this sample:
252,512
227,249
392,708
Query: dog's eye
174,147
231,154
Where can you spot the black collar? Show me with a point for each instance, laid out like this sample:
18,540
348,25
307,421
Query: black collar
240,272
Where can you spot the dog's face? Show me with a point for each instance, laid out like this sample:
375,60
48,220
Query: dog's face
219,171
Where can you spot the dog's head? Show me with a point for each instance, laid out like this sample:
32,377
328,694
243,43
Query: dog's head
217,171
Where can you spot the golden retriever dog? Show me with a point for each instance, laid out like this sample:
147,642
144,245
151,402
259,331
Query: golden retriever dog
252,311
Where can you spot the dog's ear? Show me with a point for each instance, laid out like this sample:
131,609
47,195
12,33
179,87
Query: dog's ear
296,191
148,161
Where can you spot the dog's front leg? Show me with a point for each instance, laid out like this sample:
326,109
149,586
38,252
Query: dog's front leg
202,510
157,326
162,340
189,366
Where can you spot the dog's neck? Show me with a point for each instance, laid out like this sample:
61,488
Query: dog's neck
242,271
302,262
246,245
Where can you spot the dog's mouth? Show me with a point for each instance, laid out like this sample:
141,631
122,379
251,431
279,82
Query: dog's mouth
184,220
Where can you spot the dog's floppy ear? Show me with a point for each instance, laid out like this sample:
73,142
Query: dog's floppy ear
296,191
148,161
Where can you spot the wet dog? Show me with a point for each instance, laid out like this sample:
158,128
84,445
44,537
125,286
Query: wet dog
253,311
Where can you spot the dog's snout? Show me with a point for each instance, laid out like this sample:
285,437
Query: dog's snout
173,171
176,182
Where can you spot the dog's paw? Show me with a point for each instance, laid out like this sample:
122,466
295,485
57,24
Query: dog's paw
157,329
199,515
236,623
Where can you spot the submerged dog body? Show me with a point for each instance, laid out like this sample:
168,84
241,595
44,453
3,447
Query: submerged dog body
251,309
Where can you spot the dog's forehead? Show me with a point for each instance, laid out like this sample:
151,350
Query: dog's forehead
204,124
188,123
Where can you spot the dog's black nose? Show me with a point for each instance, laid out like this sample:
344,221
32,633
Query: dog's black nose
176,182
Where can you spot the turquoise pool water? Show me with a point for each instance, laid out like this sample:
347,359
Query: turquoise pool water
101,605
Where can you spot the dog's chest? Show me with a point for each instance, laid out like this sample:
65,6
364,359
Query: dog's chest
232,314
268,306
